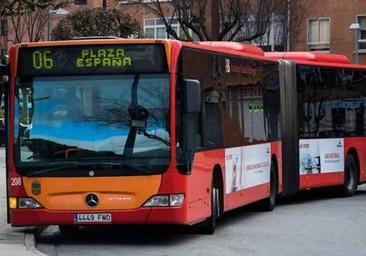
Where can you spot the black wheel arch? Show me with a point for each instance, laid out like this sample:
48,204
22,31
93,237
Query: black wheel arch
218,179
274,160
353,152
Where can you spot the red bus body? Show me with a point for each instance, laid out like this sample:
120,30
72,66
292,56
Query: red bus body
352,145
123,196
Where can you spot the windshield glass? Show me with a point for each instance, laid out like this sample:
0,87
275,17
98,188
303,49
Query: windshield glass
121,121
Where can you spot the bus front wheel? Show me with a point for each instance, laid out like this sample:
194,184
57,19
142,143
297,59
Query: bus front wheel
350,176
269,203
209,225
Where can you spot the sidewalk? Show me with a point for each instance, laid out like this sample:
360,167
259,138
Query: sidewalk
13,241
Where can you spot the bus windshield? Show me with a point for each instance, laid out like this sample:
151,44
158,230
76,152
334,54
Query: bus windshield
118,121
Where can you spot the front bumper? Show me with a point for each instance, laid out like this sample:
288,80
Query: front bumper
156,215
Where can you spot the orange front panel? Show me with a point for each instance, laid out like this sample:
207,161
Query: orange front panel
114,192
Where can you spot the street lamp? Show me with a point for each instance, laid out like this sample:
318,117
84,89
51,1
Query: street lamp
57,12
356,27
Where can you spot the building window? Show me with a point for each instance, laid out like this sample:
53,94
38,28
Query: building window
80,2
319,34
362,35
155,28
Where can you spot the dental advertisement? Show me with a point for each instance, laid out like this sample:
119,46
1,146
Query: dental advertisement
321,156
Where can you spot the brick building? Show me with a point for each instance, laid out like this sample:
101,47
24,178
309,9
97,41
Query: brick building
327,28
49,19
323,25
153,27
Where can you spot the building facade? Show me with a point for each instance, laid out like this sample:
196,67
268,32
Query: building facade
26,29
153,27
322,25
327,28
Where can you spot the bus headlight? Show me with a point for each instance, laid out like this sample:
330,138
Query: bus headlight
176,200
28,203
165,201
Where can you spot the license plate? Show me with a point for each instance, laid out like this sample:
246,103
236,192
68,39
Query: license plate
93,218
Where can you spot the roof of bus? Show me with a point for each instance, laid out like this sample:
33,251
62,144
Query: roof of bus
310,56
315,58
234,48
90,41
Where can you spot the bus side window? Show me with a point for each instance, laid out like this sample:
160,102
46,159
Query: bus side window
331,102
212,118
244,111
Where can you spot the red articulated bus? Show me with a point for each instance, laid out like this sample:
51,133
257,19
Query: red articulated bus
114,131
329,93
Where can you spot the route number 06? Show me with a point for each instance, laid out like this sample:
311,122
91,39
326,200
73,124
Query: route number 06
42,60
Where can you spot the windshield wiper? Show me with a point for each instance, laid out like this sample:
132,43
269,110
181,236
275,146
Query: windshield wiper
155,137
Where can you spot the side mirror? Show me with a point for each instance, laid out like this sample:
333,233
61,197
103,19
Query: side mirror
192,96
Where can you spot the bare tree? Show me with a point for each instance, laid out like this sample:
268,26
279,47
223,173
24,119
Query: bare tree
30,25
297,11
28,19
16,22
36,23
19,7
239,20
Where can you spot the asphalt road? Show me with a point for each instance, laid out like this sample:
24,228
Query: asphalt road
312,223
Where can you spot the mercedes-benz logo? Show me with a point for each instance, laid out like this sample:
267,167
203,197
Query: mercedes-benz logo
92,200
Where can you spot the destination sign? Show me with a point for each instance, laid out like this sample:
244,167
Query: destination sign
95,59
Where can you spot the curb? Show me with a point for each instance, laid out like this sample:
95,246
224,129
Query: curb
30,242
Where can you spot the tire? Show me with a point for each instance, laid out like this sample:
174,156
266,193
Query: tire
350,176
209,225
269,203
68,231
